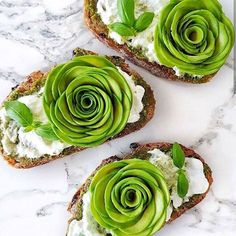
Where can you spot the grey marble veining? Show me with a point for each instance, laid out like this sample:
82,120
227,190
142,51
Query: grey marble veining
36,35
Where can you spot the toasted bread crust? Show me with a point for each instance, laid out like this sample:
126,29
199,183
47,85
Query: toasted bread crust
100,30
37,79
140,151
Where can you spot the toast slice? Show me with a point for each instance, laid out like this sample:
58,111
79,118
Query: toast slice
101,31
140,151
36,80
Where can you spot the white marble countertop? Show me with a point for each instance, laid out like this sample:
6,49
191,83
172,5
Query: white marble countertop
36,34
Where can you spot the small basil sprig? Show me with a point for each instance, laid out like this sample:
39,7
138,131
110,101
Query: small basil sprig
144,21
126,11
182,184
179,160
122,29
46,132
129,26
23,116
19,112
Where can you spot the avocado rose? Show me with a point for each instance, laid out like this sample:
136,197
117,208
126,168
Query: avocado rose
193,35
87,100
129,197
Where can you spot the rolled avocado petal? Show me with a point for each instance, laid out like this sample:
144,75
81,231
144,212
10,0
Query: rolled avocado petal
69,76
193,35
161,223
129,197
87,100
95,61
98,198
146,232
114,73
118,113
144,222
104,171
48,97
108,121
61,124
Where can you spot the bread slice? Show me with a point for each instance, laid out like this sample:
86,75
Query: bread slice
100,30
37,79
140,151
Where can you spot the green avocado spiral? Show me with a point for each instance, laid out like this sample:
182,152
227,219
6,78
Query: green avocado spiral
87,100
129,197
193,35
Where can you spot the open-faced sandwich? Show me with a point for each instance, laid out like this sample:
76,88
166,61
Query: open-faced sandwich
138,194
187,40
79,104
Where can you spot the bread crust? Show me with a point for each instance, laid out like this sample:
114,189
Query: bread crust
140,151
37,79
100,30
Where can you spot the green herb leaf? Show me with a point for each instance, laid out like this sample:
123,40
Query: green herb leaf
126,11
28,128
19,112
144,21
37,124
122,29
178,155
182,184
46,132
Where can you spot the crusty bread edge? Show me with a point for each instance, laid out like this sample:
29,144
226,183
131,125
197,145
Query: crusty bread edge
35,81
140,151
100,30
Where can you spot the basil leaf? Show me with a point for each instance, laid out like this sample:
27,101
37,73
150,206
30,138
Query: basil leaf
182,184
45,131
19,112
122,29
28,128
36,124
144,21
126,11
178,155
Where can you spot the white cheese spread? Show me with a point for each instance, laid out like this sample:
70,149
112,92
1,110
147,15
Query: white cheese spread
138,93
27,144
197,184
181,74
87,226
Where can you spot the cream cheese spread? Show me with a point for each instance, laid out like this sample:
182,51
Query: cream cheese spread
181,74
27,144
138,93
87,226
197,184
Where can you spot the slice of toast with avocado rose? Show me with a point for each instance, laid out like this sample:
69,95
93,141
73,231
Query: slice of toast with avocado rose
82,103
184,40
138,194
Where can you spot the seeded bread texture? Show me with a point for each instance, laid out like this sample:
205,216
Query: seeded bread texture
36,80
140,151
100,30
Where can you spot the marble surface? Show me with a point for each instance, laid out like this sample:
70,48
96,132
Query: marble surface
37,34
